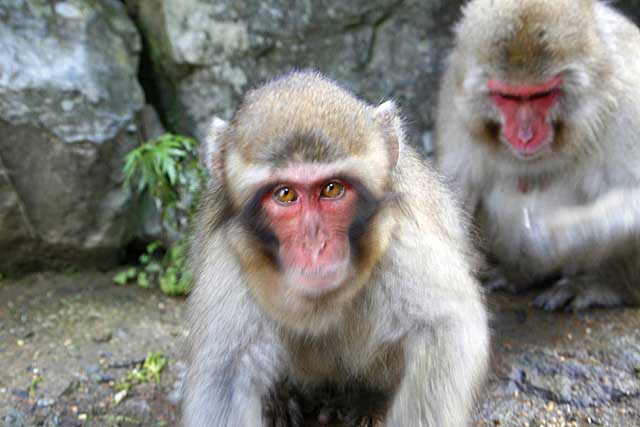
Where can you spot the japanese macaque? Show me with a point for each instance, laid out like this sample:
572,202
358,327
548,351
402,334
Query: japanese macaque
538,128
329,259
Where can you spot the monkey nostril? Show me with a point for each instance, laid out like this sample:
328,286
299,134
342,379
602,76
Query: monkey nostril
315,247
525,134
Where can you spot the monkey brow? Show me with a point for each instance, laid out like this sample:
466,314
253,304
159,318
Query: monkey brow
311,147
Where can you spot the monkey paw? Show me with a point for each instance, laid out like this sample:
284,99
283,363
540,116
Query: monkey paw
578,293
494,279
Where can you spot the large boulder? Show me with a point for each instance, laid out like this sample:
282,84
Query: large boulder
69,100
204,54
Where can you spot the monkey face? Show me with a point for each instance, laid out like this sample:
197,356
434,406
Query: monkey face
304,168
310,219
314,235
525,114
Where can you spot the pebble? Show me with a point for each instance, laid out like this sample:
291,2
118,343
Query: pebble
102,336
45,402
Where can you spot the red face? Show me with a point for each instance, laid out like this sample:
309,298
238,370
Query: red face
525,113
311,220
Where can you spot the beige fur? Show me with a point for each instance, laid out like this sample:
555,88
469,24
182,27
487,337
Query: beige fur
411,324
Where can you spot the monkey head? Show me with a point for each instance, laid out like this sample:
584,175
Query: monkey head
306,168
533,77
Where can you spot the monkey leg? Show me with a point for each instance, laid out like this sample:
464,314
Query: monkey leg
340,406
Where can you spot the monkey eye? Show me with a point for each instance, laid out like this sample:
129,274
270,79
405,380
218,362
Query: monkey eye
332,190
285,195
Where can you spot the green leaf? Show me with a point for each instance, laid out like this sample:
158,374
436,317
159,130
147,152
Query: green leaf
123,277
143,280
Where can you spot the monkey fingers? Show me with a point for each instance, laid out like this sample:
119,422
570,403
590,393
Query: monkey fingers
494,279
578,293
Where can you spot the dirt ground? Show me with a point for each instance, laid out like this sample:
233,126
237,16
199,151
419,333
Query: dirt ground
67,340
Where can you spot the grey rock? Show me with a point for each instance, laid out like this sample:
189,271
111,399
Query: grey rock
578,380
14,418
102,336
45,402
68,95
20,394
137,409
206,54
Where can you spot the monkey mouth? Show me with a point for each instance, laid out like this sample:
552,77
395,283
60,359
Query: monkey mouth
528,152
317,281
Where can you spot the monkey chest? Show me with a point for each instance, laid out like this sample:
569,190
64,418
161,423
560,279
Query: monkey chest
317,364
505,209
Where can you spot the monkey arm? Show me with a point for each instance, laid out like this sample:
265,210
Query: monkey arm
229,378
586,234
443,371
235,356
447,347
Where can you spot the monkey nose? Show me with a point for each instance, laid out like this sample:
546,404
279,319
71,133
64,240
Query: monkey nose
314,247
525,120
525,134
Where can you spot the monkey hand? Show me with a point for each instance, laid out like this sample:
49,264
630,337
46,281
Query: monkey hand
542,242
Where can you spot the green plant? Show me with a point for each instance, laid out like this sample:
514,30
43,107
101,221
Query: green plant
175,278
150,371
166,170
170,270
37,379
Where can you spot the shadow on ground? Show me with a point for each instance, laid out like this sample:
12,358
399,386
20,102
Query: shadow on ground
67,340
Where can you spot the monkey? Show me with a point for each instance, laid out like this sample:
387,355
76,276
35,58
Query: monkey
328,259
537,128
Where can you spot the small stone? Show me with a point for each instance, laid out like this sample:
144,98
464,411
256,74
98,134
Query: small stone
137,408
92,369
67,10
14,418
67,105
105,378
45,402
119,396
21,394
102,336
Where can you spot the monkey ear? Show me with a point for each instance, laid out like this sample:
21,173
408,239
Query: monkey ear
213,149
387,115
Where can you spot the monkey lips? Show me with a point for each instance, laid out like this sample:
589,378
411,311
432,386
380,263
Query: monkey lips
525,113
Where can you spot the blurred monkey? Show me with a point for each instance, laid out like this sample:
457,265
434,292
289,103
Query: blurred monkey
538,128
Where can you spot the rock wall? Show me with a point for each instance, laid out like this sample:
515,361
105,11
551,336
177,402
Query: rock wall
204,55
69,97
72,74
